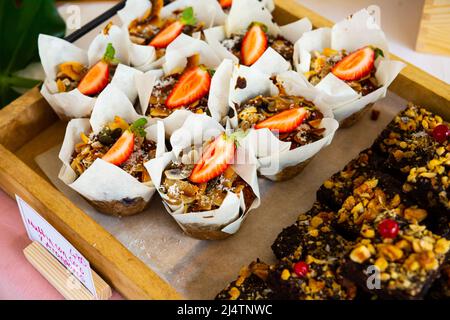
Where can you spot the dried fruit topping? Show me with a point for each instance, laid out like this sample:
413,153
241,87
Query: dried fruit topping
301,268
441,133
388,229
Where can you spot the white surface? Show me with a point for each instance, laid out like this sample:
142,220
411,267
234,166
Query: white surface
400,21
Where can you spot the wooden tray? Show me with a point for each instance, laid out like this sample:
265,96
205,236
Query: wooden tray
29,127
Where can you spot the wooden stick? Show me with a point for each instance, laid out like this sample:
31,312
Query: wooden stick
61,278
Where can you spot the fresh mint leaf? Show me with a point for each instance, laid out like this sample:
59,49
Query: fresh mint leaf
378,53
110,54
188,17
138,127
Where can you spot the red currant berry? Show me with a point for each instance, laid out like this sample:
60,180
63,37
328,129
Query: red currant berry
301,269
441,133
388,228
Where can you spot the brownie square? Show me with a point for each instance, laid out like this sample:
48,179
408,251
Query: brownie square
408,262
429,184
335,190
313,235
250,285
376,195
321,282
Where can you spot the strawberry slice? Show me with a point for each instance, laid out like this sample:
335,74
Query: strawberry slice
254,43
225,3
167,35
216,158
285,121
173,30
193,85
95,80
356,65
121,150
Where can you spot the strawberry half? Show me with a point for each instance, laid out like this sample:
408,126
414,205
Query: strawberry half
226,3
254,44
121,150
173,30
284,122
216,158
193,85
95,80
356,65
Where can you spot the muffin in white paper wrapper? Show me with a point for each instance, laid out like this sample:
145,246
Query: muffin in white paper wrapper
73,104
356,32
153,83
276,159
242,14
225,219
138,15
248,82
107,187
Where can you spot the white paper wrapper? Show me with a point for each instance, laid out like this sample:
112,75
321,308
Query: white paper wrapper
133,9
184,47
242,14
141,57
257,78
118,37
53,51
73,104
276,160
106,186
350,34
226,220
206,11
217,101
128,53
67,105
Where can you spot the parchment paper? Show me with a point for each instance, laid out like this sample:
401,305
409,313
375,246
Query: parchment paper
200,269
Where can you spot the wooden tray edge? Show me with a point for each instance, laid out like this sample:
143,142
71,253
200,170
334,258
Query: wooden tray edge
130,276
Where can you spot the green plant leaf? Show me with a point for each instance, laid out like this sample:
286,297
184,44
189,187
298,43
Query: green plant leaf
110,54
138,127
21,22
188,17
378,53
